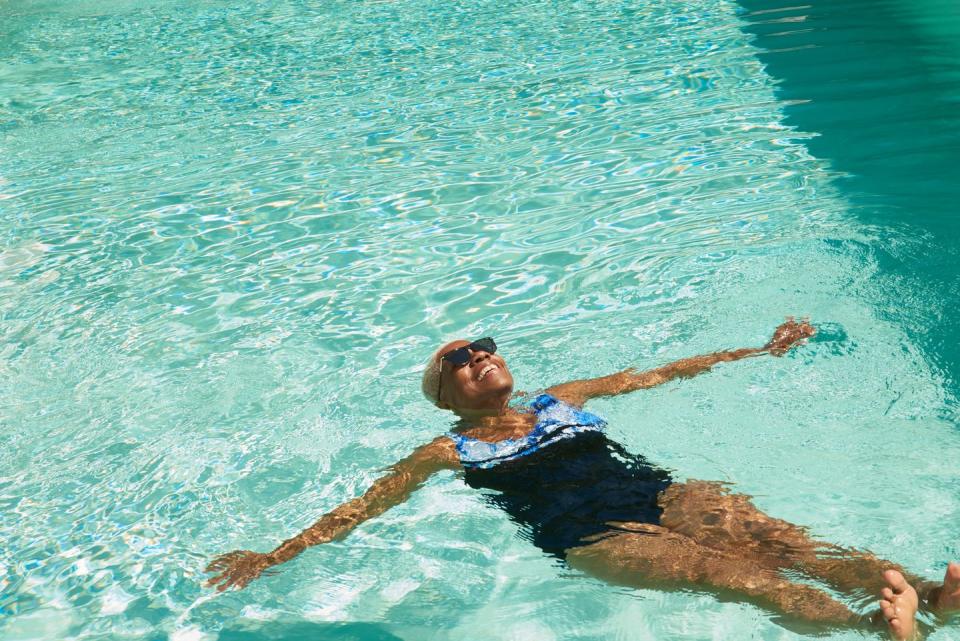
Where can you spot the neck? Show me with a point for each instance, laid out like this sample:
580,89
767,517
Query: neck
492,410
478,415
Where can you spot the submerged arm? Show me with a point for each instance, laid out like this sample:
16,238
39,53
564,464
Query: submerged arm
240,567
578,392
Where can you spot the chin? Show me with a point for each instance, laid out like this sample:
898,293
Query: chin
504,386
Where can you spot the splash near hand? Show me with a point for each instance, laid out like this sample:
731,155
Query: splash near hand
789,334
237,569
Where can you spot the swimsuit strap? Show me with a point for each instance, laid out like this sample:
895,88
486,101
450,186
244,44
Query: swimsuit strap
551,410
556,420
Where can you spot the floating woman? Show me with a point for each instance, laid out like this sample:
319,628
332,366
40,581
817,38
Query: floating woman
612,514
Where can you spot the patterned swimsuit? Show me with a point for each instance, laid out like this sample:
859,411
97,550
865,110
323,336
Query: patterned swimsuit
564,479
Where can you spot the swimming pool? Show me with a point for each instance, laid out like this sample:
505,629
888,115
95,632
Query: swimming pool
232,232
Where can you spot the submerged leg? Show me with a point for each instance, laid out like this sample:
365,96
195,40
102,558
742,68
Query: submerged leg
643,555
711,515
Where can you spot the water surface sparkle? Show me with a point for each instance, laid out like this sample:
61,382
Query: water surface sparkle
230,234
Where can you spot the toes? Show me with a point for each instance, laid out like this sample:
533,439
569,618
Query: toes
896,581
952,577
889,611
898,605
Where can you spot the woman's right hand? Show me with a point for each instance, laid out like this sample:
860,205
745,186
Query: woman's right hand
238,568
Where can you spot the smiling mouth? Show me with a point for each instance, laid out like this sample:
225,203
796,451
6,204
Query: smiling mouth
486,370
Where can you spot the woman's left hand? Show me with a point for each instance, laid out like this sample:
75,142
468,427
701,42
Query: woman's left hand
238,568
788,335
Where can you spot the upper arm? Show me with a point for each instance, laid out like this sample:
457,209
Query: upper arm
579,392
439,454
409,473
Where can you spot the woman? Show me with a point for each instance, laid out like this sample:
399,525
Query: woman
612,514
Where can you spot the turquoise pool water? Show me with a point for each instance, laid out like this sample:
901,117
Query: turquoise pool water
231,232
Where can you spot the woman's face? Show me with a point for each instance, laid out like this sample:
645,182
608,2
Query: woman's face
482,383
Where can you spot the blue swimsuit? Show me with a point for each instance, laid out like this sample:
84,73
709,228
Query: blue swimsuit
564,479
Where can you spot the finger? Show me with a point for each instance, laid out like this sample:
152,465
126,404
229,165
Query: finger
217,579
213,579
239,581
215,583
226,584
219,564
223,560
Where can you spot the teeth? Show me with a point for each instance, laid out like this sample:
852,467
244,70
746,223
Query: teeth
485,370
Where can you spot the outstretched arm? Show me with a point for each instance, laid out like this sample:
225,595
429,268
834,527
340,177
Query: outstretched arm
240,567
579,392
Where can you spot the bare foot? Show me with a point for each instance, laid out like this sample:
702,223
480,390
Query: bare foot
899,606
949,598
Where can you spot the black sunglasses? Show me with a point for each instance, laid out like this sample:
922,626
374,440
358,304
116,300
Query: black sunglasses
461,356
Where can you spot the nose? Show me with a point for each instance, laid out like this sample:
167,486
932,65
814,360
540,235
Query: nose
478,357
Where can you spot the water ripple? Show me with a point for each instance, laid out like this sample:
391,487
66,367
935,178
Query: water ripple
232,232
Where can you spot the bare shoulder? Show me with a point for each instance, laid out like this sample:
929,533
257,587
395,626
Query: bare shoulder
440,451
570,393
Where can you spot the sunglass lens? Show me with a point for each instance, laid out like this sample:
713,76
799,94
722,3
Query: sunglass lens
458,357
485,345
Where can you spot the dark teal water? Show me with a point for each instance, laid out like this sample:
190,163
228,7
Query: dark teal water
879,82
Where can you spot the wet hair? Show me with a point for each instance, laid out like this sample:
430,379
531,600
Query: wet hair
430,383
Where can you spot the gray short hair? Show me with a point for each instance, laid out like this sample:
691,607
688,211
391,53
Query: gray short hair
430,384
